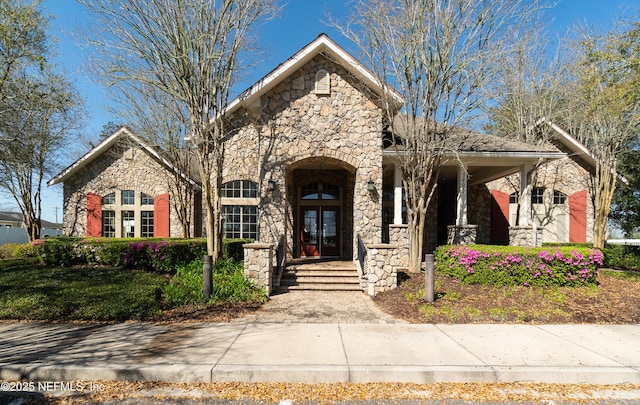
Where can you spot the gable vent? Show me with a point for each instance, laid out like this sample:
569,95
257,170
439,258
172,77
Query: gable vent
323,83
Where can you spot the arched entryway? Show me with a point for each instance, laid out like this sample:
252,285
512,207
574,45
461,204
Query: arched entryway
320,193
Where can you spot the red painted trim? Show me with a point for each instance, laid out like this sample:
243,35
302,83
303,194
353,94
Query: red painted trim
578,217
499,217
161,214
94,215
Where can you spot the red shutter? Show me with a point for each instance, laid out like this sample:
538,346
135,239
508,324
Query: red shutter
161,212
94,215
578,217
499,217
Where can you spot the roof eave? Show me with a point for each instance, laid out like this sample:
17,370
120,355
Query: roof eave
322,44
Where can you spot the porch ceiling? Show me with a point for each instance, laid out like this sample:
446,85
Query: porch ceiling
487,166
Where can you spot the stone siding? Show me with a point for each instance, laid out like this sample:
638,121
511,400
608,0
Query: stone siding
565,175
258,265
381,268
399,236
293,131
123,167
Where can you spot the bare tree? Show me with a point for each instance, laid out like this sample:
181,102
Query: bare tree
438,54
605,108
38,108
189,50
43,121
160,122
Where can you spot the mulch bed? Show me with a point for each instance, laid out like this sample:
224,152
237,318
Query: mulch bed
614,300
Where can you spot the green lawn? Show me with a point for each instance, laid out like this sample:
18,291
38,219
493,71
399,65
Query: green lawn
29,291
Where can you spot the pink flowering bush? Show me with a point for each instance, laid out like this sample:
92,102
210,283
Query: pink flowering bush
510,265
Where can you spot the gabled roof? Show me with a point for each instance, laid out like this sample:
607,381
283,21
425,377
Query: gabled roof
321,45
570,142
105,145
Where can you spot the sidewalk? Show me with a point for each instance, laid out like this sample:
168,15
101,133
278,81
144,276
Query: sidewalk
250,351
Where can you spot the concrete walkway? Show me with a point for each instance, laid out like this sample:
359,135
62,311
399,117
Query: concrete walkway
321,307
256,349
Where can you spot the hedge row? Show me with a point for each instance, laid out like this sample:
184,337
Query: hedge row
509,265
162,255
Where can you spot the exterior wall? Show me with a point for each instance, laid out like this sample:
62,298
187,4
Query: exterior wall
568,177
293,131
121,168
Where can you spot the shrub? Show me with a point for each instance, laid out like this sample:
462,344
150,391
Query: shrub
143,254
622,257
229,284
509,265
11,251
232,248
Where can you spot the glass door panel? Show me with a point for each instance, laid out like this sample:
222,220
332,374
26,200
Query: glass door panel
309,245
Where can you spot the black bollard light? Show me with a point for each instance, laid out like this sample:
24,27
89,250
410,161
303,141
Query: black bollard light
429,260
207,287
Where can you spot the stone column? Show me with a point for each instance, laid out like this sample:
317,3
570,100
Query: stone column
258,265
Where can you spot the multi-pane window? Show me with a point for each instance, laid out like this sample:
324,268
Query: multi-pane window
128,224
537,195
128,197
513,198
147,224
146,199
109,224
240,189
320,191
109,199
559,198
240,221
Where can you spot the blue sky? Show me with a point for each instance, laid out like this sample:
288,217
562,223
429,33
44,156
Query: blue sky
300,22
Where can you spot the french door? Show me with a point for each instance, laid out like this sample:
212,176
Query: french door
319,231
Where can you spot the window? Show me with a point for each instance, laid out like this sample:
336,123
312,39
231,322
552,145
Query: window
109,224
320,191
109,199
240,221
128,224
146,199
559,198
128,197
240,189
537,195
147,224
513,198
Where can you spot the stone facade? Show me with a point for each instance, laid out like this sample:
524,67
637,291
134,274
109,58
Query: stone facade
381,268
258,265
567,176
295,136
399,237
125,166
525,236
462,235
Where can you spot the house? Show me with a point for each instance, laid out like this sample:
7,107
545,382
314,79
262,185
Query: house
13,228
126,188
307,173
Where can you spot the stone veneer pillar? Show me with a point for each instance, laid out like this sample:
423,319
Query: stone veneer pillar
399,236
525,236
462,235
381,268
258,265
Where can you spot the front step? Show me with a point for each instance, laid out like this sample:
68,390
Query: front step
316,275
